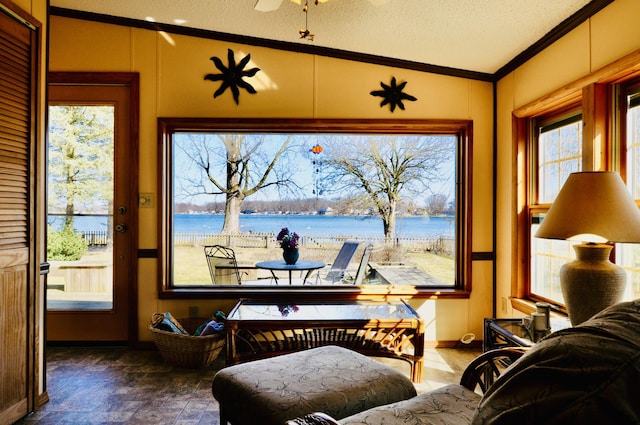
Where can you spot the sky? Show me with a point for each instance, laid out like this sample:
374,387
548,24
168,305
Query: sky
301,160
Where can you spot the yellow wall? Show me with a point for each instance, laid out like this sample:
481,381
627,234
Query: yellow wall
290,85
607,36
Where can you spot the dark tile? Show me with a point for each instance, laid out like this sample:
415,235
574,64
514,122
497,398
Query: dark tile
107,386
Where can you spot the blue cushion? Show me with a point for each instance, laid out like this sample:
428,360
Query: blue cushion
168,323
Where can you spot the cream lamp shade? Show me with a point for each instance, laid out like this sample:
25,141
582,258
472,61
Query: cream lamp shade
592,207
593,203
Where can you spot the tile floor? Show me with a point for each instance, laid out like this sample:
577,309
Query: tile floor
118,386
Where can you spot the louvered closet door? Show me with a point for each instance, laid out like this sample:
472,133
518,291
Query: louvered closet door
16,250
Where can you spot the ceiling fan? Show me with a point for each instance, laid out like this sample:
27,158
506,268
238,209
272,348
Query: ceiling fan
271,5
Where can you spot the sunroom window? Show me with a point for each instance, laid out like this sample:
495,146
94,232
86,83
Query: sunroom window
398,188
628,255
558,153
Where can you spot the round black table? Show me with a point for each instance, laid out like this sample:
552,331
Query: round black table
300,265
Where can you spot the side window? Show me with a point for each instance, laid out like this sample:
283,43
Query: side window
597,129
628,255
556,152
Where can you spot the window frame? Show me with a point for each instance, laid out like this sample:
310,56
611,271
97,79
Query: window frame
622,91
462,128
622,252
527,120
598,93
567,115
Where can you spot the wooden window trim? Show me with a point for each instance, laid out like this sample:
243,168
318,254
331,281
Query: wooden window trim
464,128
595,93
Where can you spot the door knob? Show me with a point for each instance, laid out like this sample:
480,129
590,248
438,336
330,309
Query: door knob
121,228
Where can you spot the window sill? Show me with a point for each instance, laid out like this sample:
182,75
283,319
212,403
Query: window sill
527,307
369,292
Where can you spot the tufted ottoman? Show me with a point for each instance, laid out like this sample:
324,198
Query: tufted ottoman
330,379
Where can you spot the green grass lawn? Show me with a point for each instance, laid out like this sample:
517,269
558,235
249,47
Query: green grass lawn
190,265
440,267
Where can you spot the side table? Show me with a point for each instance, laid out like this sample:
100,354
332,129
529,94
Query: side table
258,329
500,333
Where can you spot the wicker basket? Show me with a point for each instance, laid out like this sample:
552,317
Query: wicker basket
186,350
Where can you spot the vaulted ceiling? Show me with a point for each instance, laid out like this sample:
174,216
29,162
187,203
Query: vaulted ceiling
481,37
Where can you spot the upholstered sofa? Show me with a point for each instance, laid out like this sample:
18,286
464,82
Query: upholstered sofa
588,374
450,405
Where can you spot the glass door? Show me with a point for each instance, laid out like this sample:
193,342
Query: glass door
91,212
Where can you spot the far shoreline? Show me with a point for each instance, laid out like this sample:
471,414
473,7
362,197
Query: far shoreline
308,214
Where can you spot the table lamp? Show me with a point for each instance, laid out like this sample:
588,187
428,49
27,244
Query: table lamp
594,208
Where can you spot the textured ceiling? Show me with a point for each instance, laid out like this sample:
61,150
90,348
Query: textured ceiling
472,35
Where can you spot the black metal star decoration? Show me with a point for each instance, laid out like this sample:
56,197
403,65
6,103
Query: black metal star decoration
232,76
393,94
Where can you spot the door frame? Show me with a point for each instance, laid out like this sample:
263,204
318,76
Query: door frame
131,80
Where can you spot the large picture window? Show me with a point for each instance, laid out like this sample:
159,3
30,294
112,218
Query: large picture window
398,189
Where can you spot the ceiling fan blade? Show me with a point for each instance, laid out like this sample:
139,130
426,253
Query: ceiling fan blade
310,1
267,5
375,2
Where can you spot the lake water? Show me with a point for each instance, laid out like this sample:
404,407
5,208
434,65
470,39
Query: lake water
418,227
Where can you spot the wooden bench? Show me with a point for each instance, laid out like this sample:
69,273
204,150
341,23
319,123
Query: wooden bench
226,275
83,276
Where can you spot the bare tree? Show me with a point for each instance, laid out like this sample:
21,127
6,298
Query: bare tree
389,167
80,171
437,203
236,166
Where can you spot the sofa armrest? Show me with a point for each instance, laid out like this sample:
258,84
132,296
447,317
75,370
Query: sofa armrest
487,367
585,374
316,418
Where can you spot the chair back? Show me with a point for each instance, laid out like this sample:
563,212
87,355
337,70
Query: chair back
364,263
341,263
218,255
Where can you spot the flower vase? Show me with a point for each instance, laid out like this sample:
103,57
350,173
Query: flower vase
290,256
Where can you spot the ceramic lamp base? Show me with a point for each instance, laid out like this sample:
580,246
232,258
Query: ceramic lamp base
591,282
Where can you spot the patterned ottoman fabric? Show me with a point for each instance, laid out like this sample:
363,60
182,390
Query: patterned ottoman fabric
449,405
330,379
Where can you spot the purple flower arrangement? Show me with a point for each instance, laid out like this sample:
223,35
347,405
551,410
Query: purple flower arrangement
288,239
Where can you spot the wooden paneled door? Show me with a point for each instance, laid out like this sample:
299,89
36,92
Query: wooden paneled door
19,53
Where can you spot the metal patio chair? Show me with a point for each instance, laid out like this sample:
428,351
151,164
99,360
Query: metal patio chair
218,255
340,265
363,266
